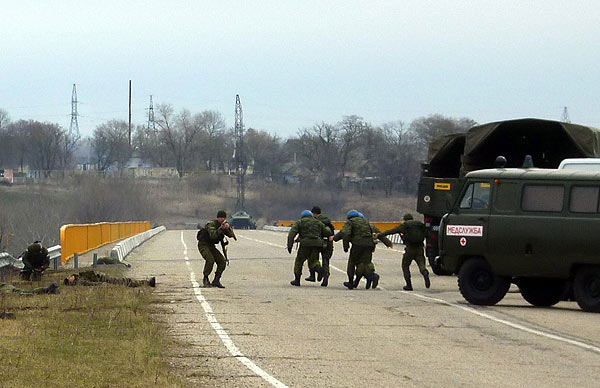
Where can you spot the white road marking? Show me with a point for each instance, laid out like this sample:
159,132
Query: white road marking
231,347
483,315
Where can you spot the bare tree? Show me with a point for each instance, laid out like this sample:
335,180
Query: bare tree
213,124
111,144
431,127
181,135
264,150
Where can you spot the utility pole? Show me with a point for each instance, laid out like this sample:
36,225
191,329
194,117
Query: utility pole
239,153
129,113
74,125
565,116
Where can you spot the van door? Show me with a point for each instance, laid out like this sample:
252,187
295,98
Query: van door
526,240
466,227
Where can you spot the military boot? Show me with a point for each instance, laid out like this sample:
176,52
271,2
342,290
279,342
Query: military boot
350,283
426,278
374,279
296,281
311,277
357,281
206,282
325,281
152,282
408,286
321,272
52,289
217,281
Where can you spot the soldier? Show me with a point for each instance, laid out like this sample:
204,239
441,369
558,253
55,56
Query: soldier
213,233
363,235
326,251
6,288
311,233
36,260
106,260
93,278
413,234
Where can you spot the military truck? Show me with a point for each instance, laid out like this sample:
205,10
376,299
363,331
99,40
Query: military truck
451,157
242,220
537,228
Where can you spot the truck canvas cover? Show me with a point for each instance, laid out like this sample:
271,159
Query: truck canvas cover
547,141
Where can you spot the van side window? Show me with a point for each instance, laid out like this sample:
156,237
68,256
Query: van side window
543,198
584,199
477,196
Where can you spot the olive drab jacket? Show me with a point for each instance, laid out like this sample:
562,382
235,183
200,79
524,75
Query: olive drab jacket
311,232
360,232
411,231
36,256
212,233
326,221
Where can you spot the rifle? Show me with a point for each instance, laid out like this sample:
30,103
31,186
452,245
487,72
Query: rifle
224,243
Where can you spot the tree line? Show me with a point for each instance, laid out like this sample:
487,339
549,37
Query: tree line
387,155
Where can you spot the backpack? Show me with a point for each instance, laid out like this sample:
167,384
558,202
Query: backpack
415,232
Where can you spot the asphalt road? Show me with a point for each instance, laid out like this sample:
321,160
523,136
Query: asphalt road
261,332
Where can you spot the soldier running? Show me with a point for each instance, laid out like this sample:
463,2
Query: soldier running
326,251
214,233
362,235
413,233
311,232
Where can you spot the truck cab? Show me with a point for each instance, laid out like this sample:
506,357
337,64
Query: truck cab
536,228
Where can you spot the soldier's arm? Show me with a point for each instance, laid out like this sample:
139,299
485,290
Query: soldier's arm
292,235
214,232
345,233
397,229
326,231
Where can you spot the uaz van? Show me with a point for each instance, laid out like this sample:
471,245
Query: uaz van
537,228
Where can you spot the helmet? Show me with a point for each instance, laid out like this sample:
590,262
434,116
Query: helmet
306,213
361,215
221,214
353,213
408,217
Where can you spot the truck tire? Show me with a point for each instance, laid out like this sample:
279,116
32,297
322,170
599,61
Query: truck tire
586,288
436,268
542,291
479,285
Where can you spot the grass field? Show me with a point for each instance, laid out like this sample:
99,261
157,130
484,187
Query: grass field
99,336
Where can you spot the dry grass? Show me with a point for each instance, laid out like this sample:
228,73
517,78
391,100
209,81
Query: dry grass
100,336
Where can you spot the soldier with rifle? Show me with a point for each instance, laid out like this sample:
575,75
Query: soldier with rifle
213,233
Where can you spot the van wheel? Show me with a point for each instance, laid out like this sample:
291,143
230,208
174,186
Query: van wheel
479,285
586,288
542,292
436,268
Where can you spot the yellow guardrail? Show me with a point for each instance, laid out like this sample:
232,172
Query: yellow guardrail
81,238
338,225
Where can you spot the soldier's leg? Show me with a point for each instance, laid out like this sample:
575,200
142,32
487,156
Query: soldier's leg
209,262
301,256
351,269
406,260
221,264
313,262
326,256
420,260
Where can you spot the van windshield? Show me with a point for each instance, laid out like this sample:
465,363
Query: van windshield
477,196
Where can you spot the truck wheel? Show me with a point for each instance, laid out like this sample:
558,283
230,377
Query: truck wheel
436,268
479,285
542,292
586,288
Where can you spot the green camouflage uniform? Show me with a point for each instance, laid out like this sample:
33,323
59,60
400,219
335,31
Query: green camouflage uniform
212,235
311,233
36,260
413,249
359,232
93,278
6,288
327,250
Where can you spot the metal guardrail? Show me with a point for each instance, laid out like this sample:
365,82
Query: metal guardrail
54,253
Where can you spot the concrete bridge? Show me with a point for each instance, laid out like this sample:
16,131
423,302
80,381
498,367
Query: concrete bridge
260,332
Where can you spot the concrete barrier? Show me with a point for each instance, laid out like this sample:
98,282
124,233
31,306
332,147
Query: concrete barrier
123,248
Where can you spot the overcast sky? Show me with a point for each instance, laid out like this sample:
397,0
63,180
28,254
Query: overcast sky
296,63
